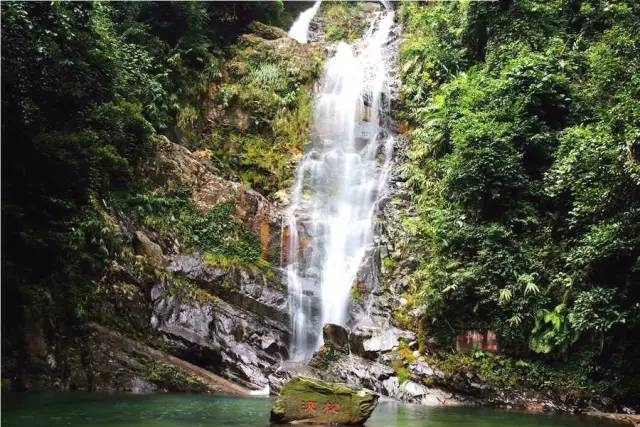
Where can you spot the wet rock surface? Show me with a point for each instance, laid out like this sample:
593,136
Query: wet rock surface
259,291
336,336
371,342
378,377
238,344
313,401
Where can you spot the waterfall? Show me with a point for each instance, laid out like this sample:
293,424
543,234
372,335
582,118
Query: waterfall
337,185
300,29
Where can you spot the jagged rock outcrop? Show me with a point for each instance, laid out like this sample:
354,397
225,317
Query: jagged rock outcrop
337,361
174,166
371,342
234,319
378,377
336,336
257,290
221,337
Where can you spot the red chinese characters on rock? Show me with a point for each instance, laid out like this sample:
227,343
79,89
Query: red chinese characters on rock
311,406
308,406
471,340
331,407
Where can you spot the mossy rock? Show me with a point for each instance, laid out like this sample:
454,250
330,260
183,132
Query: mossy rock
150,251
171,379
313,401
266,31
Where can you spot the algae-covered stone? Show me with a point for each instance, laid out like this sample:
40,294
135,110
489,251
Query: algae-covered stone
266,31
151,251
313,401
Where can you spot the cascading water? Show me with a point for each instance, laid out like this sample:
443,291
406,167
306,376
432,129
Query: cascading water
300,29
338,182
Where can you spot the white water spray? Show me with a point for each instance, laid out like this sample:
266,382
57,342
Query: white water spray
300,29
338,181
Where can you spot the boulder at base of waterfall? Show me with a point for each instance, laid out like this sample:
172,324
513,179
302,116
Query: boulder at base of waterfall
313,401
371,342
336,336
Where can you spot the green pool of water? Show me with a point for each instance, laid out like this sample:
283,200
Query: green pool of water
163,410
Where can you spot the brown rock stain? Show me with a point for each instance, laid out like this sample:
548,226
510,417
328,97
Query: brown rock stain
265,233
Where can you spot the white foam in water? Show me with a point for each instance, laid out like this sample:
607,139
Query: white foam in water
300,29
338,181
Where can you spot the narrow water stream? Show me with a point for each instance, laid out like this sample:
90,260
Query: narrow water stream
300,29
337,184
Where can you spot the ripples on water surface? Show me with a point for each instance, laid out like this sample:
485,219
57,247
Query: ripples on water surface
77,409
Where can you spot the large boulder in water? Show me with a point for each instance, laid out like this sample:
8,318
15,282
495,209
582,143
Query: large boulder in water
313,401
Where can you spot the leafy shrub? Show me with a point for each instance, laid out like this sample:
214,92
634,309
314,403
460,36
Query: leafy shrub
403,374
524,167
268,101
215,232
342,22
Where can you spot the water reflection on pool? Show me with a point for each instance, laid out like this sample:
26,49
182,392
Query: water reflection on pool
107,410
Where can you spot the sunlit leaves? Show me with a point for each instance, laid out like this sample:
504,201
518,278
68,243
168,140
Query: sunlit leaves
527,281
552,331
505,296
524,161
595,310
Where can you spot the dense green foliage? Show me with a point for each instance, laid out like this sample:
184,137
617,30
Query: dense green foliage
72,130
86,86
267,99
341,23
215,232
571,383
524,161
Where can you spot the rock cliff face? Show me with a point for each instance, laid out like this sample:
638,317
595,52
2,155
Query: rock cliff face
229,318
175,166
227,315
239,327
240,332
224,338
